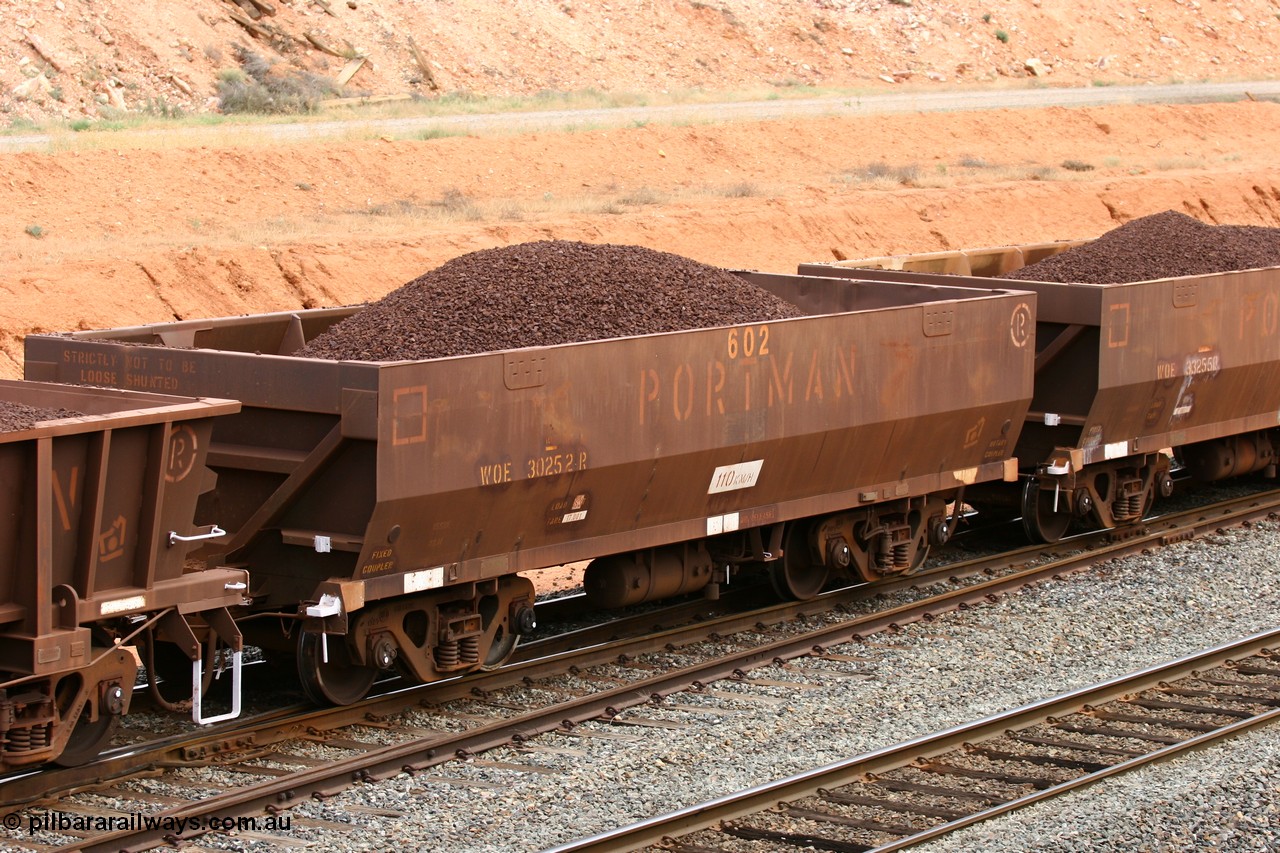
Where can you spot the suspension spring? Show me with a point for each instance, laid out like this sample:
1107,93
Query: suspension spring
447,654
20,740
902,555
1129,507
469,649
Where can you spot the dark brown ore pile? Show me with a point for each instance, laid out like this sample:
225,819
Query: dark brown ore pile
18,416
1163,245
545,293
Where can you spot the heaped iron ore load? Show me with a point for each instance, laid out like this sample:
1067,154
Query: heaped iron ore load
1146,341
387,506
16,416
98,490
542,294
1163,245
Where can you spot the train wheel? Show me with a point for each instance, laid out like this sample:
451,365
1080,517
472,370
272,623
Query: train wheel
502,639
337,681
169,670
796,575
501,650
1039,519
88,739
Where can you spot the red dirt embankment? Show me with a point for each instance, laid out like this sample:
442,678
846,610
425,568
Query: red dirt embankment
132,236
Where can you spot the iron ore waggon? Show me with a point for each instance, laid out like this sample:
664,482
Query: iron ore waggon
385,510
97,500
1130,379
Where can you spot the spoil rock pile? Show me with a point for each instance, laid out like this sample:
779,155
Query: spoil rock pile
18,416
545,293
1163,245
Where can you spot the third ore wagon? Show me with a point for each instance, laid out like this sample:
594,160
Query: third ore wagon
1130,378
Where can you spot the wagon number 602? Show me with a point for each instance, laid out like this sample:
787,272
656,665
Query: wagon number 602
749,341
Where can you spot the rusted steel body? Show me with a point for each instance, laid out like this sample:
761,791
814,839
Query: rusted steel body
1124,371
87,508
414,491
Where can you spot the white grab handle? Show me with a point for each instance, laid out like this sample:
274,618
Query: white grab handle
174,538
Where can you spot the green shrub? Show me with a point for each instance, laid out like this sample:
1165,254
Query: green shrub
883,171
742,190
257,87
22,124
162,108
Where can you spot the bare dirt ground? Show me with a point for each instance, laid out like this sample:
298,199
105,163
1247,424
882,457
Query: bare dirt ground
131,236
94,58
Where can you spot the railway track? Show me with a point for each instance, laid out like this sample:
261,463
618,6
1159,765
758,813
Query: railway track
571,692
330,465
918,790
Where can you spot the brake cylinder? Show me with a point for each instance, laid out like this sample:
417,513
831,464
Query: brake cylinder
622,580
1232,456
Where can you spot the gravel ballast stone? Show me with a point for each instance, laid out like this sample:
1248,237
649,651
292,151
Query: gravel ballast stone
1163,245
542,294
1119,617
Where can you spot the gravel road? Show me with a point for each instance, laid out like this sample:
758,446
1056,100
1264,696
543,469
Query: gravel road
844,105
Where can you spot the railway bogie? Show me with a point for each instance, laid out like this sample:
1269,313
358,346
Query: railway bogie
384,510
1129,379
96,511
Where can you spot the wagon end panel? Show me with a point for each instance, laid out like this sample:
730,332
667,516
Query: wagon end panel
303,423
96,500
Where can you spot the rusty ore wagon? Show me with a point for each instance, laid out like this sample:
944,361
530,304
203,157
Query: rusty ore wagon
1129,378
96,520
384,510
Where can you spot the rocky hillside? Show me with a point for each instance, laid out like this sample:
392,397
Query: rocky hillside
78,59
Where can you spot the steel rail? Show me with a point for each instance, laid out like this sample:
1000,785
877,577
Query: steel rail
282,725
764,797
413,756
629,635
